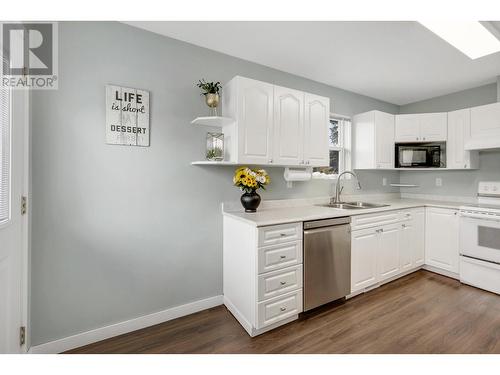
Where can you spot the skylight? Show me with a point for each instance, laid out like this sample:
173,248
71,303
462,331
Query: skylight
471,38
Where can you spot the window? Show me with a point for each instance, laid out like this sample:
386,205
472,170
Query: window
5,115
339,141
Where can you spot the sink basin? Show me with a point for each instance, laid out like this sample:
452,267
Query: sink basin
366,204
343,206
354,205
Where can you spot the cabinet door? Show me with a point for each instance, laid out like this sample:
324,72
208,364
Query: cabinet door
406,246
288,141
441,238
388,251
255,121
418,239
407,128
459,131
384,147
364,248
317,117
433,126
485,121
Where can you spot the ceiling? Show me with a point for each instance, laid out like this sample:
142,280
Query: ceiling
399,62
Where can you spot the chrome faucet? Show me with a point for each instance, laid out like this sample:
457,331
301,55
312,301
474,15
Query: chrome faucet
338,189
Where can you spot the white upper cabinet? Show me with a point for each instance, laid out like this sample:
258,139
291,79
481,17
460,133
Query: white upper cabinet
274,125
422,127
251,104
433,127
485,127
317,114
459,132
407,128
373,140
288,126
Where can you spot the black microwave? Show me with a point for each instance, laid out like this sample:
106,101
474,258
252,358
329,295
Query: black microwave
420,155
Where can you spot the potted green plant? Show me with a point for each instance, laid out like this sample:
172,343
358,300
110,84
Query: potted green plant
211,92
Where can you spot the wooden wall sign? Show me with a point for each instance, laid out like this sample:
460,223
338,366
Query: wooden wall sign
127,116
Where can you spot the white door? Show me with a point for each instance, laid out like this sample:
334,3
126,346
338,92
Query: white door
12,126
316,122
255,121
441,238
407,128
433,126
485,121
388,251
418,239
288,142
458,130
364,248
384,152
406,246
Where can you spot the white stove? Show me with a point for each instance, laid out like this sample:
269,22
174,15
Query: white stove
480,239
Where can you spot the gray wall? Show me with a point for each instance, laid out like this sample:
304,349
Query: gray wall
119,232
463,99
455,183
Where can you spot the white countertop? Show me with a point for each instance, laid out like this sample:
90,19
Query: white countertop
273,216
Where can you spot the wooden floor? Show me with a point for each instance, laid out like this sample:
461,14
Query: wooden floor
420,313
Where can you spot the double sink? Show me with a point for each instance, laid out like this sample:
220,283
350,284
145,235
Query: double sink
353,205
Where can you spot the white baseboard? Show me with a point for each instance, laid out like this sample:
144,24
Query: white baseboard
89,337
440,271
239,316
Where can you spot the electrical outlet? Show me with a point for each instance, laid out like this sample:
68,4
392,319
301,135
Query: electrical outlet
384,181
439,181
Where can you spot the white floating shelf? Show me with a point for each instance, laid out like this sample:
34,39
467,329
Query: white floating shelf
208,162
212,121
405,185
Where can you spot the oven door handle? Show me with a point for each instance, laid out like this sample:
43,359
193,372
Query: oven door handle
480,216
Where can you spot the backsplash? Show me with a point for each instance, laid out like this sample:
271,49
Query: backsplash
457,183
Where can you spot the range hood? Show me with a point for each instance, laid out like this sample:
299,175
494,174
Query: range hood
482,144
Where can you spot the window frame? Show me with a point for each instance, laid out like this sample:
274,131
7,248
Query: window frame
344,147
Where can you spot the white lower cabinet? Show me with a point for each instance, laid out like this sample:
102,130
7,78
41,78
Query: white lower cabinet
411,241
388,252
384,251
364,248
441,238
262,273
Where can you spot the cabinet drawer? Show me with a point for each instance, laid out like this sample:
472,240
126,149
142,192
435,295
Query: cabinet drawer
373,220
409,215
279,308
279,256
280,233
275,283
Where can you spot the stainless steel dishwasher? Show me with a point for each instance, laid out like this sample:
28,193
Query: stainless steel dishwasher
327,261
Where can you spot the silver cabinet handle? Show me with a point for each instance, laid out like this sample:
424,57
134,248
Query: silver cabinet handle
282,234
283,308
308,162
283,256
270,160
283,282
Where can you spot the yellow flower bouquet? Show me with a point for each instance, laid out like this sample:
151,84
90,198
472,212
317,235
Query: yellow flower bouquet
249,180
